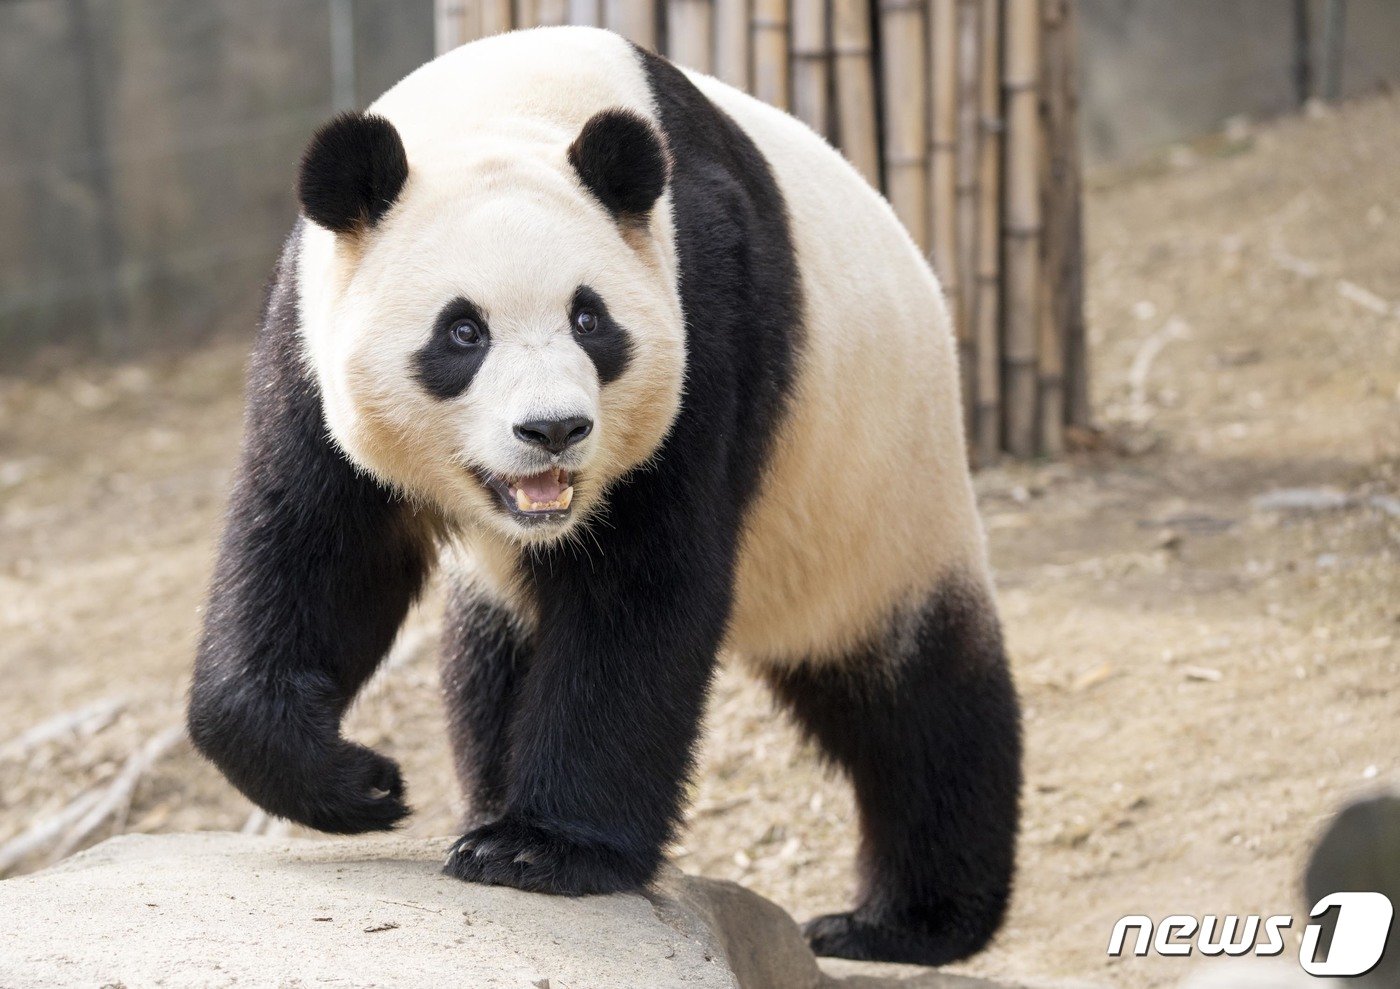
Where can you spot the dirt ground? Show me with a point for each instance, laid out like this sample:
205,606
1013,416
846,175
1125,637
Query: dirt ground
1207,672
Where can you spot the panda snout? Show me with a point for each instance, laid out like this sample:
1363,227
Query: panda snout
554,435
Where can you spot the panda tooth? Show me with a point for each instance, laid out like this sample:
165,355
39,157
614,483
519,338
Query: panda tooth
522,500
566,498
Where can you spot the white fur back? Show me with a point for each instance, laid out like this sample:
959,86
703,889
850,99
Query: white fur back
868,503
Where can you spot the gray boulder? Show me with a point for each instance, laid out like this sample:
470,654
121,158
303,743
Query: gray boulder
229,910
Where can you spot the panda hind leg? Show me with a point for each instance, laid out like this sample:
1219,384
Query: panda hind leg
484,656
926,725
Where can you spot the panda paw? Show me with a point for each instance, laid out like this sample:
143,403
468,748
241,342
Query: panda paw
511,851
847,935
361,791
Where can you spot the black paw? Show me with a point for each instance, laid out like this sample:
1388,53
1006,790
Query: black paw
846,935
513,852
357,790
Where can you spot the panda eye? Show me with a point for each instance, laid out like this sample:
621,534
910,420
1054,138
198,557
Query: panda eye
467,333
585,321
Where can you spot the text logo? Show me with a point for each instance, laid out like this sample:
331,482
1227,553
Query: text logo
1358,935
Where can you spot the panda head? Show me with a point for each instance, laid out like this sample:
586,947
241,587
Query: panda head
494,324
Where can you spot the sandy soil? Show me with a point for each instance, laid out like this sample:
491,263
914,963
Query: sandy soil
1205,677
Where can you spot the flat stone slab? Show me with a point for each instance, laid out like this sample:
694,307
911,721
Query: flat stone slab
213,909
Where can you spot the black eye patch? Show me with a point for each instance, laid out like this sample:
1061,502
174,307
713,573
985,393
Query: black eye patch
608,345
443,367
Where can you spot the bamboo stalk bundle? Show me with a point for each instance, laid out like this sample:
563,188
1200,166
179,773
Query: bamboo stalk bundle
987,310
690,33
733,41
904,71
635,20
854,70
967,168
1022,225
771,52
811,65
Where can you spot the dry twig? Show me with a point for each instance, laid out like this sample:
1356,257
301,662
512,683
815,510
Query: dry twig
115,801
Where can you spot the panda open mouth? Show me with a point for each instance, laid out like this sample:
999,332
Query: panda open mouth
545,495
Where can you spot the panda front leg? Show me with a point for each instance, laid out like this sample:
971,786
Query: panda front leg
926,724
317,567
485,652
605,722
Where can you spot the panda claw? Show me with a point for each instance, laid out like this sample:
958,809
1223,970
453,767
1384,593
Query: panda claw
512,852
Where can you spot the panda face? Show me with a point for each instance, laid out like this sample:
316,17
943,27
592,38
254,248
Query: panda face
498,344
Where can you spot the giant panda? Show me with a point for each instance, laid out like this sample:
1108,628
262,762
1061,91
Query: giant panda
650,375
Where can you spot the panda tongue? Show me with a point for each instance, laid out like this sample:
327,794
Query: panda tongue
543,487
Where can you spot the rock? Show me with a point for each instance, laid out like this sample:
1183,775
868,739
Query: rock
1360,850
224,909
1247,973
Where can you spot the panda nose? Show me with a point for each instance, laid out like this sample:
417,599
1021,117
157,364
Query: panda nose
555,435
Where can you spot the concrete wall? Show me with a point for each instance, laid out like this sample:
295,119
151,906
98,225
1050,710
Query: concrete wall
148,150
148,147
1157,71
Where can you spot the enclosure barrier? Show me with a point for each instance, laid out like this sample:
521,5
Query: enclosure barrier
961,111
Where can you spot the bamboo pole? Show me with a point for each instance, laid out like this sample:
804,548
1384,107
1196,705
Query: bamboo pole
967,165
690,33
1022,223
455,22
585,12
733,42
770,52
855,87
553,12
811,65
496,17
943,147
904,78
1055,240
1077,410
635,20
987,311
527,13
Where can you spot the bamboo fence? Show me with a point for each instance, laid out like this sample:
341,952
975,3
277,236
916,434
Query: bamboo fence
962,112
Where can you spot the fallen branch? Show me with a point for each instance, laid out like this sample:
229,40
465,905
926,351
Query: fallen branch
86,721
42,832
117,798
1365,298
1175,329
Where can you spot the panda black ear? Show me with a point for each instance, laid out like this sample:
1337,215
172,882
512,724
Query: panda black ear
622,160
351,173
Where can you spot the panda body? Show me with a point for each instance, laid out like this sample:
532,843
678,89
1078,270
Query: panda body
651,374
